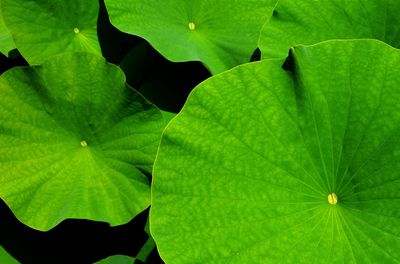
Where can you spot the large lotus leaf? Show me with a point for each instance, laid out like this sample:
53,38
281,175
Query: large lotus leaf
298,166
6,258
43,28
75,142
310,22
6,41
221,34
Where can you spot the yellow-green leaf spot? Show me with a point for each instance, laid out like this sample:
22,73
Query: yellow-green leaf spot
332,198
192,26
76,30
83,143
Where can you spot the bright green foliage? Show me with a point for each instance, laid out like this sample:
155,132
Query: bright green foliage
167,116
244,172
312,21
221,34
48,27
74,142
117,259
6,42
6,258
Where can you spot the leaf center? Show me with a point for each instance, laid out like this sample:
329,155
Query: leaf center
84,144
76,30
332,199
192,26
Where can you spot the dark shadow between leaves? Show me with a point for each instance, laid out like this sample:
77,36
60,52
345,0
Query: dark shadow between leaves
14,59
72,241
114,43
162,82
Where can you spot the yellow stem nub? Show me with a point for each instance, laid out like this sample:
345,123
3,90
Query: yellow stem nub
332,199
76,30
192,26
83,143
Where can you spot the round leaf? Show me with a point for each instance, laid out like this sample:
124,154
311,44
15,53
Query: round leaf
221,34
266,165
75,142
45,28
310,22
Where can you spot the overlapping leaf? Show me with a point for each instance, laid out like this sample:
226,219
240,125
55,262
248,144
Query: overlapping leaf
6,41
244,172
117,259
221,34
45,28
310,22
75,142
6,258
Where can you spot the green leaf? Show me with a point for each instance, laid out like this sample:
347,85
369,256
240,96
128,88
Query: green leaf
75,142
45,28
244,172
6,41
6,258
310,22
221,34
167,116
117,259
147,248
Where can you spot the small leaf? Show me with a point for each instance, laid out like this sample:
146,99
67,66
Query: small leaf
310,22
45,28
221,34
6,258
265,165
117,259
75,142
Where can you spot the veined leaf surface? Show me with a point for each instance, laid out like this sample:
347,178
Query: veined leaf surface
267,165
221,34
312,21
75,142
45,28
